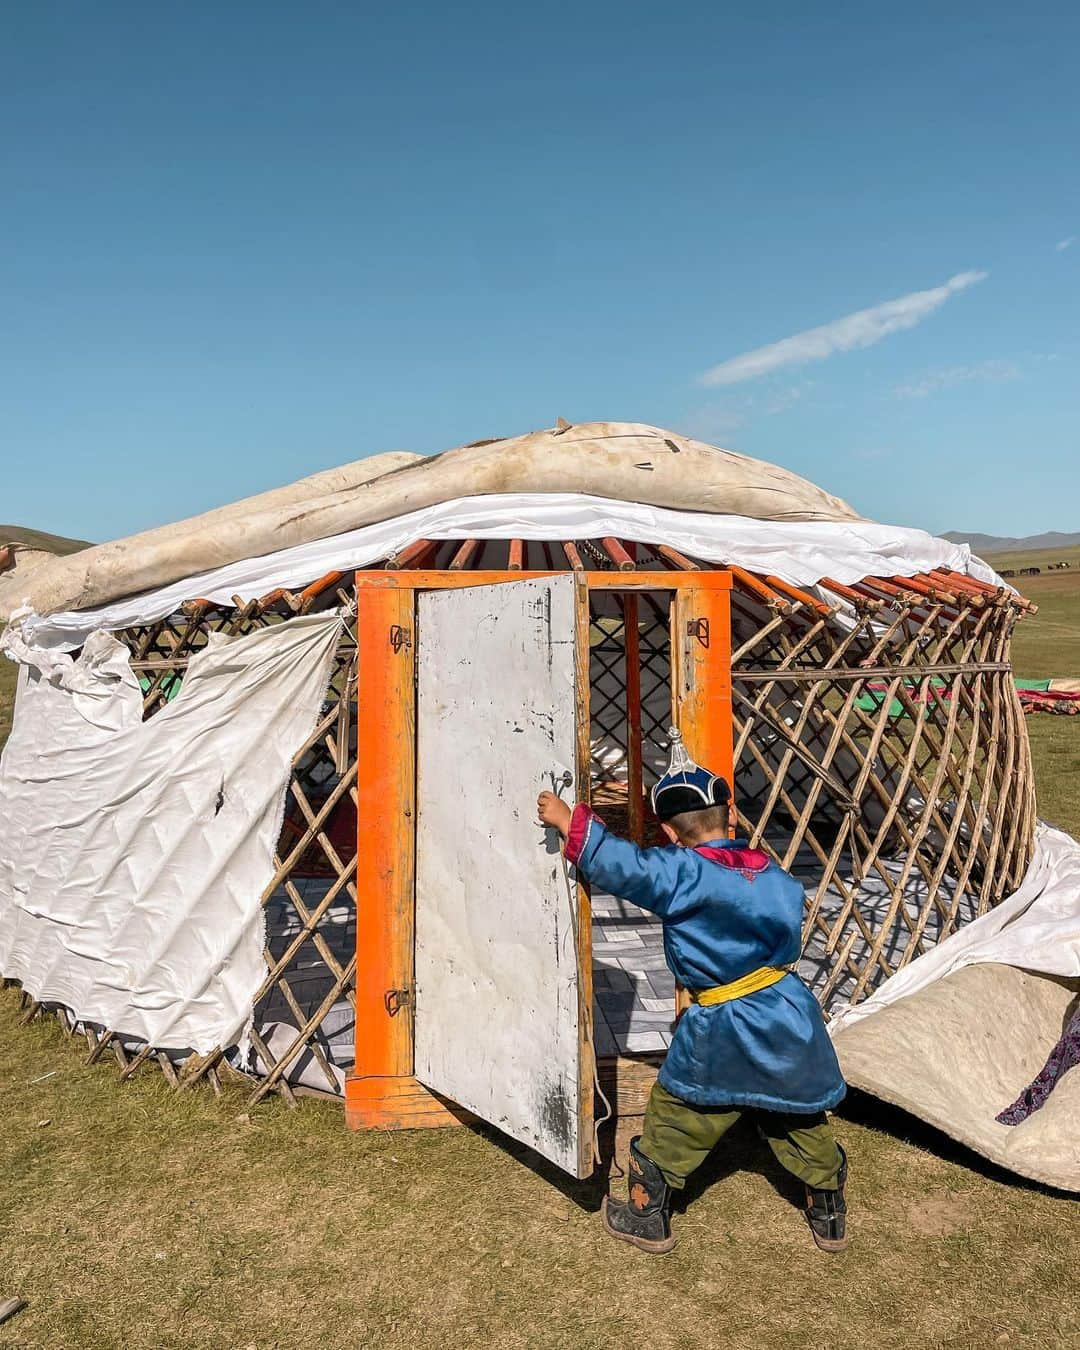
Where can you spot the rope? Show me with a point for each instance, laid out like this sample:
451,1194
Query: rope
603,1120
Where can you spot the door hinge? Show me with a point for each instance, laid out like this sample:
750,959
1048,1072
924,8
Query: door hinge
399,637
698,628
396,999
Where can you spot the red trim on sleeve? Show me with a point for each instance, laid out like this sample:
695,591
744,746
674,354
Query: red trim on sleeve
578,834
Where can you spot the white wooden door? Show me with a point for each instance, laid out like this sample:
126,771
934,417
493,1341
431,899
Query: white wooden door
501,996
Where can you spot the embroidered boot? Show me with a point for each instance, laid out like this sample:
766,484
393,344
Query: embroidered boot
645,1218
826,1212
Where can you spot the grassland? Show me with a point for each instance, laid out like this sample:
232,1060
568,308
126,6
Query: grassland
8,677
1048,644
137,1217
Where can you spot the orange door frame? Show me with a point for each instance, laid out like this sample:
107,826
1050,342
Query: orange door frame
382,1090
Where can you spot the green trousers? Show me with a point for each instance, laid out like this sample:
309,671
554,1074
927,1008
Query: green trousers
678,1137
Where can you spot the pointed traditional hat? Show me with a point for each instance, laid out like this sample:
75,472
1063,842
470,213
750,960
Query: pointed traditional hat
686,786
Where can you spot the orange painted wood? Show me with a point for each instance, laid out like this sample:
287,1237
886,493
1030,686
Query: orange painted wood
386,846
924,587
701,652
677,559
583,935
270,598
413,553
846,593
399,1103
754,586
440,579
958,585
801,597
701,675
461,557
872,585
618,554
962,580
381,1092
322,584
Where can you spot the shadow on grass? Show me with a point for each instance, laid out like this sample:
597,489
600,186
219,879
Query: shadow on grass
586,1194
872,1113
741,1150
744,1150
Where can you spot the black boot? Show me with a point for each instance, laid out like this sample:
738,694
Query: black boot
826,1212
645,1218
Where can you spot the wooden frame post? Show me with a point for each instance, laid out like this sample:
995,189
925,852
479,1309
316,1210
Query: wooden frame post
701,667
632,665
583,896
381,1091
701,682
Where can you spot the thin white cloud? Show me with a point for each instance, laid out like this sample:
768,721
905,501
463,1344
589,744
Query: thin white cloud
861,329
712,424
781,399
950,376
719,420
1063,244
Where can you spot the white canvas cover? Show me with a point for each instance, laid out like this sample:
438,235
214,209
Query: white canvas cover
626,461
133,855
800,552
958,1034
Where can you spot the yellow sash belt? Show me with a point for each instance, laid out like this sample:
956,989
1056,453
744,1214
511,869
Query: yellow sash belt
747,984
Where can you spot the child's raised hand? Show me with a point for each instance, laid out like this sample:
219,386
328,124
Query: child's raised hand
554,812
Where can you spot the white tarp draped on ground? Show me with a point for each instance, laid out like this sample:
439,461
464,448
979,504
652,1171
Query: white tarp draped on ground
800,552
133,855
956,1036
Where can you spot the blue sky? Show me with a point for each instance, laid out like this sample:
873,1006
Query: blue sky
243,242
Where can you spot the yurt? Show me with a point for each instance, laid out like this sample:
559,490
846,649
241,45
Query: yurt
267,806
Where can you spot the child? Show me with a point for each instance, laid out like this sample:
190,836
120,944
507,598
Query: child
753,1037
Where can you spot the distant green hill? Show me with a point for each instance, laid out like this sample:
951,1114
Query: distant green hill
52,543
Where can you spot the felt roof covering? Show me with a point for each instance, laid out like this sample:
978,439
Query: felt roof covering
622,461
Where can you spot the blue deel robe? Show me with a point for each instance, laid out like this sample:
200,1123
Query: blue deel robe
727,910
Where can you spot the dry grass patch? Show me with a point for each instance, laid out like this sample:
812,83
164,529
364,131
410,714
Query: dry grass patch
9,675
141,1217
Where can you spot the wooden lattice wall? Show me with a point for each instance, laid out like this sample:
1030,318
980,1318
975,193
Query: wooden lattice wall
882,747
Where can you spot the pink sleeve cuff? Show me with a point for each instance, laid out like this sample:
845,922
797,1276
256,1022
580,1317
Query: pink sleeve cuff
581,823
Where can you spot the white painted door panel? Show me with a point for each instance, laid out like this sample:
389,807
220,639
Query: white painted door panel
497,1009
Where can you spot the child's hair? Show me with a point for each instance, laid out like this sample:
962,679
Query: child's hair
711,822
